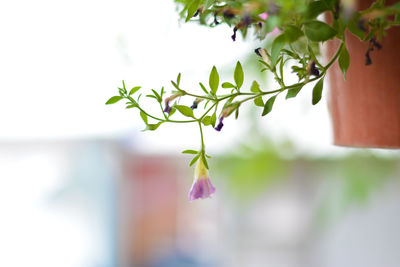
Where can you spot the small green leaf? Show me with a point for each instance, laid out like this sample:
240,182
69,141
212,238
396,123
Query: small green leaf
213,119
255,87
184,110
152,127
237,113
317,91
144,116
318,31
214,80
190,151
238,75
354,26
277,46
134,90
173,110
175,85
294,91
344,60
268,106
194,160
259,102
158,97
203,88
113,100
206,120
192,9
203,158
315,8
178,79
228,85
131,105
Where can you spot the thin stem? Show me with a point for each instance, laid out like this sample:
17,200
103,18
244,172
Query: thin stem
199,96
202,138
155,118
162,110
142,110
334,57
201,118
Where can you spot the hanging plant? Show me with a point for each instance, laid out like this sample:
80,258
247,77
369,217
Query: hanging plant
297,47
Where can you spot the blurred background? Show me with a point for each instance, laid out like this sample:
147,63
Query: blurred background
82,186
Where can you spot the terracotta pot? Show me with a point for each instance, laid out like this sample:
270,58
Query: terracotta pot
365,108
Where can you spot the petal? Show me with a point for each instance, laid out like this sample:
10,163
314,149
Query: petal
201,188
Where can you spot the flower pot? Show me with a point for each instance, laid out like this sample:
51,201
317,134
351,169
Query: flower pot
365,108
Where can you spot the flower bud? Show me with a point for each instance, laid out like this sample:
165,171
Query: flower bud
228,110
261,52
167,108
196,102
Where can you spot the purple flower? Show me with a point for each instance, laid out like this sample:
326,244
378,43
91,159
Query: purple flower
167,108
202,186
220,125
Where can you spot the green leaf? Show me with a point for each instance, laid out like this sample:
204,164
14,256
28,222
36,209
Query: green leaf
175,85
228,85
259,102
178,79
203,158
214,80
152,127
292,33
194,160
192,9
144,116
317,91
203,88
354,28
344,60
255,87
315,8
113,100
184,110
268,106
134,90
237,113
239,75
293,91
132,105
277,46
206,120
318,31
213,119
190,151
173,110
162,92
158,97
